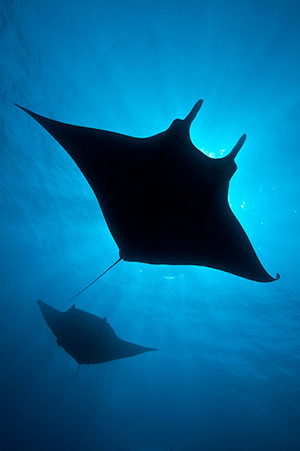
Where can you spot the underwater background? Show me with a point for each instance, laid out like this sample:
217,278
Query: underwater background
227,374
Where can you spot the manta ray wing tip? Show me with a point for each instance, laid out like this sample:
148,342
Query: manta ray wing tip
22,108
272,279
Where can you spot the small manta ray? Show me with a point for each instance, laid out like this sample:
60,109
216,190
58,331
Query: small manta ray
86,337
164,201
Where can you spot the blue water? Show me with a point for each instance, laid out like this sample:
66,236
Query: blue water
227,374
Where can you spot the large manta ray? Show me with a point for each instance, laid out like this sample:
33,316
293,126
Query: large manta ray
86,337
164,201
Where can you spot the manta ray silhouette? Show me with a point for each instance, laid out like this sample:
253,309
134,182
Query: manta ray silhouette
164,201
86,337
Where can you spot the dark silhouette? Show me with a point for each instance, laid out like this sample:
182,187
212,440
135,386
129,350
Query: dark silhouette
164,201
86,337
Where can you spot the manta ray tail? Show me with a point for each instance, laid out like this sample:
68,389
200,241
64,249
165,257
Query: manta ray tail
79,365
97,278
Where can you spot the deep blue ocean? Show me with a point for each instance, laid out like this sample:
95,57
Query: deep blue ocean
227,374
